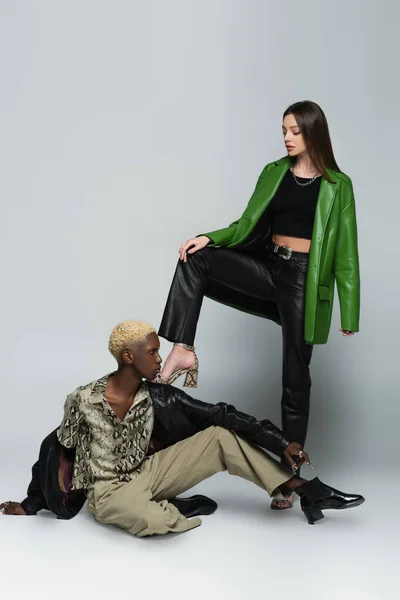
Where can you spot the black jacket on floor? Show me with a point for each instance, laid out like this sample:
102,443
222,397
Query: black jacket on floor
177,416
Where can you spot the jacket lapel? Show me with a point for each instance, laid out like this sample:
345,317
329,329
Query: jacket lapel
271,183
325,200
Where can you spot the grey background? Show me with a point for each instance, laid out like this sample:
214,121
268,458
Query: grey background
127,127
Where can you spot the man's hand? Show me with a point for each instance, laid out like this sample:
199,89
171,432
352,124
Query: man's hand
12,508
294,449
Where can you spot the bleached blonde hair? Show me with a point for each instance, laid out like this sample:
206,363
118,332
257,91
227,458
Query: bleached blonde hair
126,335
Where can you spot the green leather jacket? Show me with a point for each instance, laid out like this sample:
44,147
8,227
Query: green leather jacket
333,253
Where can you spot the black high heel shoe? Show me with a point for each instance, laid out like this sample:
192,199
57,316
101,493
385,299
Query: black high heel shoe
315,497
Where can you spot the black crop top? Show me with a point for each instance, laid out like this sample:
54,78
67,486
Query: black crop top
291,211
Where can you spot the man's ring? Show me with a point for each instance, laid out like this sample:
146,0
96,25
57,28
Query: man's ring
300,453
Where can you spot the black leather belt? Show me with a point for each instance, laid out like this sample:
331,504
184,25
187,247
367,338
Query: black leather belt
285,252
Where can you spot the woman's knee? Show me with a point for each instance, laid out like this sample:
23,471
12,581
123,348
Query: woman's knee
201,257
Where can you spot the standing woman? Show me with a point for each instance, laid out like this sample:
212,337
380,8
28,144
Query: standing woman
280,261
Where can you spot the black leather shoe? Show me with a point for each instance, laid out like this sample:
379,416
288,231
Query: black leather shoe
194,505
316,497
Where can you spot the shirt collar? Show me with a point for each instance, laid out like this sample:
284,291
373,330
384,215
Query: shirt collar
99,388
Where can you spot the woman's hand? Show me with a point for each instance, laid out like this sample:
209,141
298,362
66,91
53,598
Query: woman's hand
295,450
346,332
194,244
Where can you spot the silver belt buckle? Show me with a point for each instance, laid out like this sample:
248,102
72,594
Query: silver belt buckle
288,252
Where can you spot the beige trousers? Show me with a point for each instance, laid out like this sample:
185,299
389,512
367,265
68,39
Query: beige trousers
141,506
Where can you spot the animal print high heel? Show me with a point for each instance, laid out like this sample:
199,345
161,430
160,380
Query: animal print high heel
281,502
192,373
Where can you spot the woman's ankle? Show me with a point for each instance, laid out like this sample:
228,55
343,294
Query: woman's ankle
292,484
183,346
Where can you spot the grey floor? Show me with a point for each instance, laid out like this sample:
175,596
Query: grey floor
242,551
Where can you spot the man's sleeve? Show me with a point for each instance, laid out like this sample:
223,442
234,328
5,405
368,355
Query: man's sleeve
263,433
68,431
35,501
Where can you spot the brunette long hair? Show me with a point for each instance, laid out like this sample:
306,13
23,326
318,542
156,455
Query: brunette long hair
313,125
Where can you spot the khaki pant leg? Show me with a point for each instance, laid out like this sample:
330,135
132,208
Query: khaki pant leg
130,506
183,465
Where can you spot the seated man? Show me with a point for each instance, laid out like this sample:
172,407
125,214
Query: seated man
135,445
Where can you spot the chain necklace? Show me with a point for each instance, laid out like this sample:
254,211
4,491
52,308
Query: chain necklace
303,184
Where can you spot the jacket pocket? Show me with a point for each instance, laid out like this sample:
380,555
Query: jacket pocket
323,292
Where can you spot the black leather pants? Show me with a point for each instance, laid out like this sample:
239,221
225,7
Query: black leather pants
266,277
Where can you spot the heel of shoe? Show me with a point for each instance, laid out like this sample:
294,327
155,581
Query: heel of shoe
313,514
192,375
